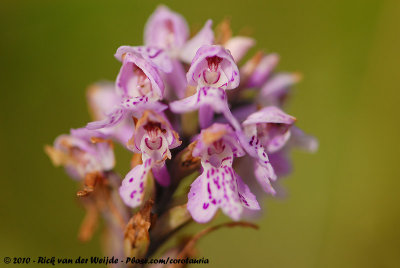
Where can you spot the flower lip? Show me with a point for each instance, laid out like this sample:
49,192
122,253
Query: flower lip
214,66
153,125
214,139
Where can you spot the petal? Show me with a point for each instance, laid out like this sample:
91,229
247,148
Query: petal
101,99
281,163
206,114
253,147
303,141
185,105
262,70
262,175
204,37
156,56
137,105
112,119
269,114
105,154
214,98
274,131
277,87
161,175
177,79
133,185
201,211
165,29
213,189
231,203
102,151
241,113
247,198
238,46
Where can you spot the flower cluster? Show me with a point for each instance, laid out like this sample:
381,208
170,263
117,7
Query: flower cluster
179,100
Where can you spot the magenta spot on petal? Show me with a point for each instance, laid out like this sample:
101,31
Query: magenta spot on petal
205,205
133,194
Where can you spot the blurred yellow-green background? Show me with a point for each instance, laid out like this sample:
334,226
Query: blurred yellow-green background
343,204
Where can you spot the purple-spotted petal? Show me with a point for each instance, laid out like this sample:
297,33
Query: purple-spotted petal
247,198
137,105
133,186
166,29
156,56
201,211
262,175
214,188
238,46
204,37
254,148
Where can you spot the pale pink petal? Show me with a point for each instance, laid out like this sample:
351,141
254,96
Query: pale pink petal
238,46
112,119
166,29
204,37
269,114
303,141
262,71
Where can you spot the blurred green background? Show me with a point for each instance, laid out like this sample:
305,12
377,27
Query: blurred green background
343,203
